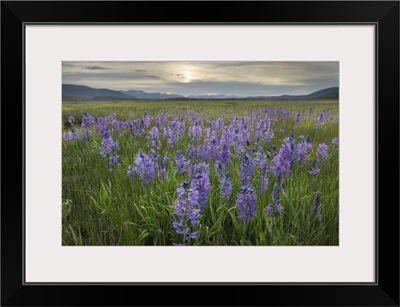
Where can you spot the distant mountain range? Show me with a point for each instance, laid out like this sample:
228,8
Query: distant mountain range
72,91
214,97
86,92
327,93
144,95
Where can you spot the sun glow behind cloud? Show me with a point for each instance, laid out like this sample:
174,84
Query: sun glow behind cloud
187,76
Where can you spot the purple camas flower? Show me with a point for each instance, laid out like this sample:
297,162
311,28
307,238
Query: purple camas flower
131,171
275,192
188,212
166,160
280,181
246,170
260,160
87,134
154,137
140,129
205,150
260,128
210,133
240,149
335,142
78,134
215,148
263,130
87,120
302,149
195,132
70,136
181,126
269,134
147,118
180,162
317,204
246,201
314,169
101,128
320,120
160,167
317,201
278,206
191,151
113,160
71,120
100,121
199,189
144,167
297,120
202,152
160,120
317,207
322,152
170,135
110,119
225,155
152,154
136,126
277,202
67,136
193,212
282,162
176,130
191,202
119,125
196,168
219,123
227,135
263,183
109,147
105,133
269,209
226,187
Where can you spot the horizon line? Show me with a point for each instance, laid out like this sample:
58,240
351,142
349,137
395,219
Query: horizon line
188,96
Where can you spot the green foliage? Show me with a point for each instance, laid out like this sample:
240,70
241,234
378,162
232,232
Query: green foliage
102,208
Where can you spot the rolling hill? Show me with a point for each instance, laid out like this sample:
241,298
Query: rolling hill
72,91
86,92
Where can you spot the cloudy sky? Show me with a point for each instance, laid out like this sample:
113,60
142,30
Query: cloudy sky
200,78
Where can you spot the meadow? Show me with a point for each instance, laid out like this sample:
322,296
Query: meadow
200,172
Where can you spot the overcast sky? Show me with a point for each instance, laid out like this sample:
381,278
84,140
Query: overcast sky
200,78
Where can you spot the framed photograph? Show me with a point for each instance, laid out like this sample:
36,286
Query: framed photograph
246,149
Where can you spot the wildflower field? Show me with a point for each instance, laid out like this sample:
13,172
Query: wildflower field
210,173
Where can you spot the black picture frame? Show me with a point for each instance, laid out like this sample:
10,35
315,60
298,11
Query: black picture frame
383,14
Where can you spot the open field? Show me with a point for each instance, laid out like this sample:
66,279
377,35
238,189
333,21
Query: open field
222,172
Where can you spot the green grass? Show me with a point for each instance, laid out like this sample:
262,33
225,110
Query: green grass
103,208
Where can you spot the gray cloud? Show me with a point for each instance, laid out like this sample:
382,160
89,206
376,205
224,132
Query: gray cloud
112,77
181,76
94,67
204,77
